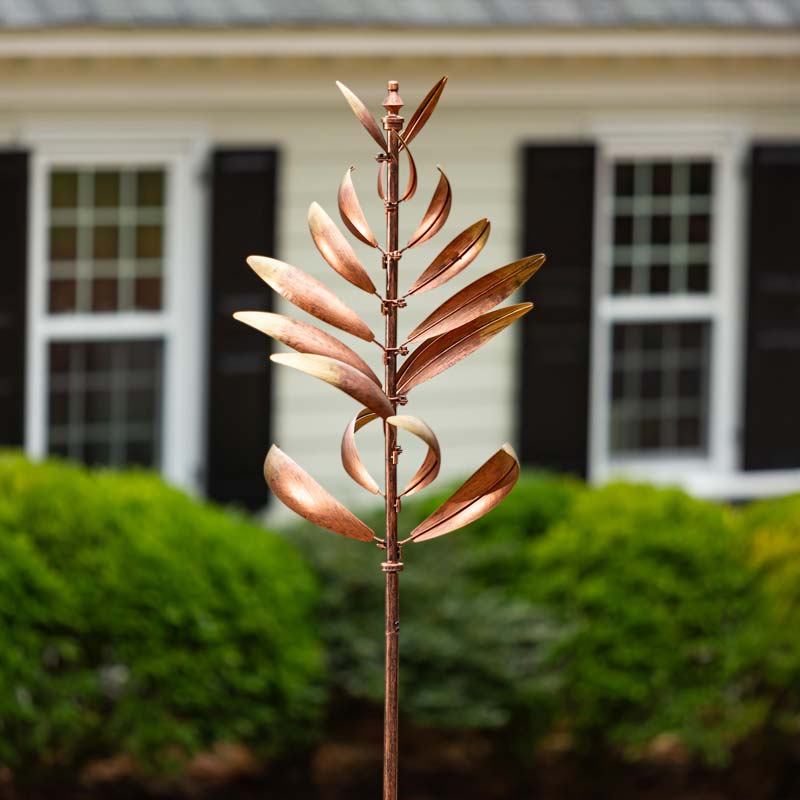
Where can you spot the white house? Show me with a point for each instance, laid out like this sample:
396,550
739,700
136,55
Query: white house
651,149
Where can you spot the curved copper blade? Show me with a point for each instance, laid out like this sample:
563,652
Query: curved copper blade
350,210
351,460
336,250
411,185
308,293
340,375
426,107
437,213
364,116
480,296
295,488
438,354
478,495
455,257
427,473
304,338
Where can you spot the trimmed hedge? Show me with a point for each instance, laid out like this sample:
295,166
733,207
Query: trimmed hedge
135,620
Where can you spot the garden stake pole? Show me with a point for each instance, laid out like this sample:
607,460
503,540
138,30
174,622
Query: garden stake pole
453,331
392,123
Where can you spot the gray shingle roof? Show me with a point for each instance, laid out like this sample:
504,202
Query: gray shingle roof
414,13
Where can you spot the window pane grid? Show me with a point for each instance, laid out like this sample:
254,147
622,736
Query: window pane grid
661,237
106,234
104,401
659,391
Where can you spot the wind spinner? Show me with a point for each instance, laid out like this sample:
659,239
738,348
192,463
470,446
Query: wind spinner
458,327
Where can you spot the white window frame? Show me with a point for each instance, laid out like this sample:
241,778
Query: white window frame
719,472
180,322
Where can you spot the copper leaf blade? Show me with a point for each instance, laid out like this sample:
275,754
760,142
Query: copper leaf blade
438,354
304,338
478,495
308,293
351,460
350,210
297,490
480,296
364,116
426,108
340,375
336,250
454,258
429,469
436,215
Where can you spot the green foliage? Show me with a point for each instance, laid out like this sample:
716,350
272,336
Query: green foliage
664,608
773,531
472,655
136,620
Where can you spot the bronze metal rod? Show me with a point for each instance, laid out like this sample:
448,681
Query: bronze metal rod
392,123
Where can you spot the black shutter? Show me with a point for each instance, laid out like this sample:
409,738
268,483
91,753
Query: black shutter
558,219
242,223
14,254
772,394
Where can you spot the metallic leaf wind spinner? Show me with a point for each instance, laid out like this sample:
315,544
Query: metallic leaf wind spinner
458,327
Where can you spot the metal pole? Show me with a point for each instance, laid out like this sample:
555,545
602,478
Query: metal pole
393,565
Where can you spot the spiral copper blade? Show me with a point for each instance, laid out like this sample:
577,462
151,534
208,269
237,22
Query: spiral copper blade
340,375
364,116
411,185
354,466
336,250
427,473
308,293
438,354
351,213
477,298
426,108
477,496
351,460
295,488
437,213
455,257
304,338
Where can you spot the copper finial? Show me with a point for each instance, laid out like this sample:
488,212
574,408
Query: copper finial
393,102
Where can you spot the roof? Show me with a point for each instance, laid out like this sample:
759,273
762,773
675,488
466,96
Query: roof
734,14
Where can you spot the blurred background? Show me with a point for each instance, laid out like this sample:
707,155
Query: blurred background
625,625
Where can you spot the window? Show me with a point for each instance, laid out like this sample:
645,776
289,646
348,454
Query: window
114,360
663,383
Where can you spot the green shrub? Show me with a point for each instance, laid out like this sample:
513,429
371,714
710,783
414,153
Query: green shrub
135,620
773,530
471,654
663,607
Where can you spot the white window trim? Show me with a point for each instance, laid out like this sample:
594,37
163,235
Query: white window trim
719,473
181,322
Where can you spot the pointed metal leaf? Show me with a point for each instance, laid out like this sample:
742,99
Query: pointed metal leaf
411,184
350,210
455,257
438,354
478,495
477,298
295,488
364,116
336,250
351,460
308,293
437,213
340,375
304,338
426,107
427,473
